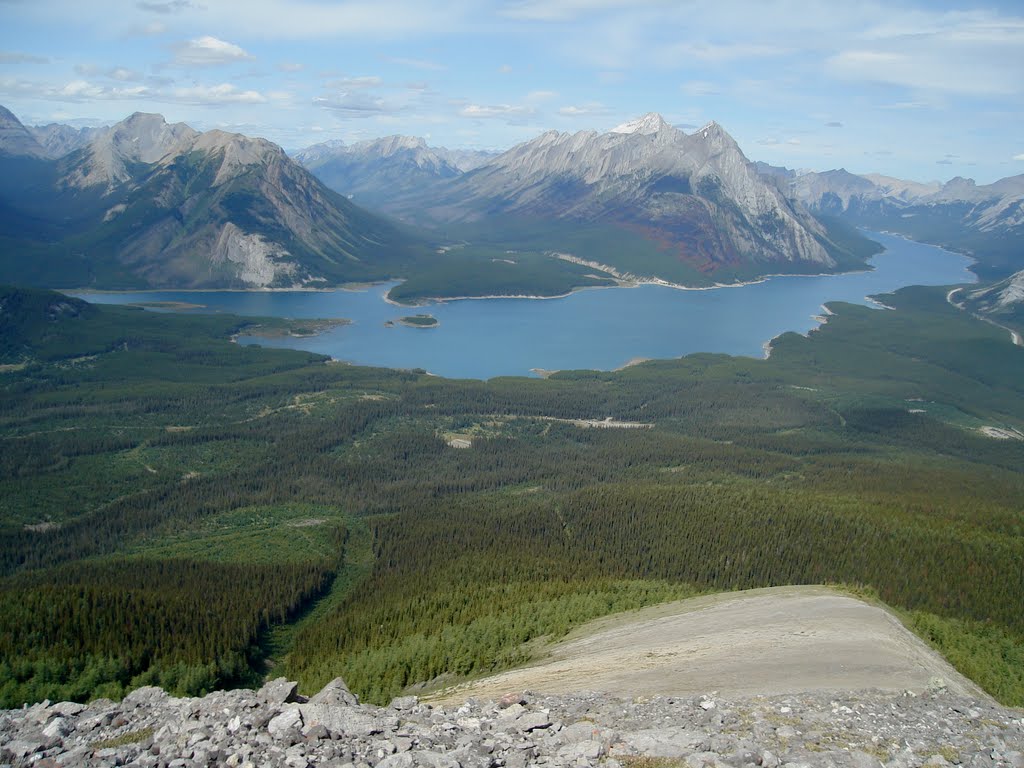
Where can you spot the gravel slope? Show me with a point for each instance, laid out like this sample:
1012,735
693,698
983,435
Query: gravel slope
771,641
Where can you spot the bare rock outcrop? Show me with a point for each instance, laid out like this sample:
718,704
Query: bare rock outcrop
275,726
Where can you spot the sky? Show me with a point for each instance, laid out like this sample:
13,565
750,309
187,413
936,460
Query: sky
918,90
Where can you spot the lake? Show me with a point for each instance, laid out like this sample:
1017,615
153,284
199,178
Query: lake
596,329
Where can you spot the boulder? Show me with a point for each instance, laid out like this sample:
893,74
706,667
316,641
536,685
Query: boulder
279,691
336,693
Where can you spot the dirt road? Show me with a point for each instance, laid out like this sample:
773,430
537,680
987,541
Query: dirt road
764,641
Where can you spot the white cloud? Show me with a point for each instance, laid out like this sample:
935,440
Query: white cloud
584,110
152,29
712,53
495,111
208,51
355,83
699,88
358,104
416,63
1019,157
121,74
170,6
290,66
567,10
348,19
505,69
901,105
15,57
83,90
225,93
977,52
927,70
538,96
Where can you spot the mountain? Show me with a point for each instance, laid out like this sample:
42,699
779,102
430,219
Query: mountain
15,139
317,154
114,155
32,319
151,204
374,172
59,139
466,159
985,221
695,195
1002,301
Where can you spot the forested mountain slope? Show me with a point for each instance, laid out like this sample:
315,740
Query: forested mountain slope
152,469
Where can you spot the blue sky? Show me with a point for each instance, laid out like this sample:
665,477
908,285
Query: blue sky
921,90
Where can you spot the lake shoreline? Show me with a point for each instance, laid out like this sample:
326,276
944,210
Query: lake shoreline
624,283
589,330
360,287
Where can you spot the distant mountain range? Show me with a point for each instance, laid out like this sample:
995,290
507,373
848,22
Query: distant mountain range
145,203
374,172
985,221
695,194
695,197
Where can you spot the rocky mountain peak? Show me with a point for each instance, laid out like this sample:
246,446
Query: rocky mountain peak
716,138
389,145
139,138
650,123
316,154
59,140
239,152
144,137
15,139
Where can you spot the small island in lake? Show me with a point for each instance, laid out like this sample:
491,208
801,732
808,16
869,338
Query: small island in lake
274,328
419,321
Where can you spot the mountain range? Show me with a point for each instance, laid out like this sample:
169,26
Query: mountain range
371,172
985,221
696,195
145,203
693,198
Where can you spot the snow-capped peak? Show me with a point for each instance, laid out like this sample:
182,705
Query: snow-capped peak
650,123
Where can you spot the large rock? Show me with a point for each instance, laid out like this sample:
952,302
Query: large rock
335,693
288,721
346,722
279,691
244,728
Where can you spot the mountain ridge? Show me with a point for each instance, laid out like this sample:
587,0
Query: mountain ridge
146,203
985,221
696,194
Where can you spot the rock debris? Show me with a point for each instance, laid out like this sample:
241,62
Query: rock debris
275,727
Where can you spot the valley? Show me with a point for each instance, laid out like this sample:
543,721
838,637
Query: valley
145,443
588,329
511,384
184,511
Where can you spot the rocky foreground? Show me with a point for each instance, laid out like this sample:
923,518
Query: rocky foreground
276,727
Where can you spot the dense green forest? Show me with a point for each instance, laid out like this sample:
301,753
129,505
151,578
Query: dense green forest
180,510
516,256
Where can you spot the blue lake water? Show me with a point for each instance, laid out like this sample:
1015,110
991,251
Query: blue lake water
596,329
